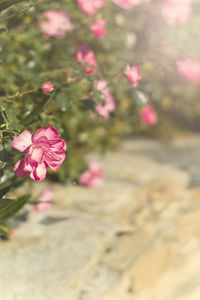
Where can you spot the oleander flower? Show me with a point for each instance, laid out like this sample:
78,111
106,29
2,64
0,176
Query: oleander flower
98,28
189,69
90,7
148,115
109,105
55,23
126,4
92,177
45,200
85,55
133,75
47,87
176,12
42,150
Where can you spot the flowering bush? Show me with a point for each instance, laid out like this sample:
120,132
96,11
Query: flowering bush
85,73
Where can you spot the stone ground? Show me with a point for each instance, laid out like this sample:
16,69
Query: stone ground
136,237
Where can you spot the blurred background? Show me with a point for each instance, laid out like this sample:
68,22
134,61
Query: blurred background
120,81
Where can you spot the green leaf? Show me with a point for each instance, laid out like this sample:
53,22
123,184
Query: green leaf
3,157
5,187
18,11
7,3
10,207
40,107
4,230
89,104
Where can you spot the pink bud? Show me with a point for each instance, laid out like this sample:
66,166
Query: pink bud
148,115
98,28
133,75
47,87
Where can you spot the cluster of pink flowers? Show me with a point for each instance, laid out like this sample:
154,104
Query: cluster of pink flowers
148,115
90,7
55,23
109,101
133,75
45,200
87,56
92,177
98,28
42,150
176,11
189,69
47,87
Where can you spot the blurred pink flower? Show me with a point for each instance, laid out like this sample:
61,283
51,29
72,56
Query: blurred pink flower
92,177
45,200
55,23
43,149
47,87
176,11
98,28
109,101
101,85
148,115
42,206
133,75
85,55
90,7
127,4
189,69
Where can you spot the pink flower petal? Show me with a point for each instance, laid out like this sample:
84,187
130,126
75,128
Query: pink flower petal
55,163
19,169
50,132
22,141
39,173
37,155
58,145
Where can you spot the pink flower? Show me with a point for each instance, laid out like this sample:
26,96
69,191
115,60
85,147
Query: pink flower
133,75
148,115
189,69
90,7
127,4
101,85
47,87
98,28
109,101
176,12
43,149
45,200
85,55
56,23
93,176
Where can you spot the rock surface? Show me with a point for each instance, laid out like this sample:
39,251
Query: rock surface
137,236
